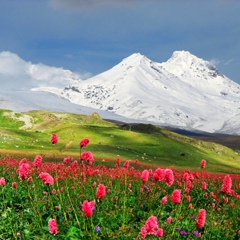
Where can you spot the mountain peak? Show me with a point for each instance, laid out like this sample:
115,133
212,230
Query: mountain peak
184,56
135,58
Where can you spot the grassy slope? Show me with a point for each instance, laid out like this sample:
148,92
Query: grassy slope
147,143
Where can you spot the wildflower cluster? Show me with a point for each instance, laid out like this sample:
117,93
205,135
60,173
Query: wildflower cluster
78,199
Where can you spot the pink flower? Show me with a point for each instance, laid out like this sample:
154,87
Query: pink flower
164,200
203,163
87,156
126,164
37,161
30,179
24,160
118,161
169,220
189,184
2,181
201,218
227,184
159,174
88,208
14,185
186,177
169,177
46,178
84,142
54,139
150,228
136,161
23,171
159,232
204,186
66,160
101,191
52,226
144,176
176,196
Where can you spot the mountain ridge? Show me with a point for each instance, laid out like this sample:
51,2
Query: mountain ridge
186,92
172,93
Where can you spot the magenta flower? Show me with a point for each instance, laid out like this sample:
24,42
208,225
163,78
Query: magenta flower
227,184
52,226
176,196
164,200
2,181
46,178
169,177
84,142
88,207
159,174
87,156
37,161
203,163
151,228
144,176
23,171
101,191
54,139
201,218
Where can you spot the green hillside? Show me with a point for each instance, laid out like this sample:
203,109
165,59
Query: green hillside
30,133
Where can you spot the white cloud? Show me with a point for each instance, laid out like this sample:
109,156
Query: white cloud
17,74
215,61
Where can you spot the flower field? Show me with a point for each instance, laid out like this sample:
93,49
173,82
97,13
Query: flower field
80,199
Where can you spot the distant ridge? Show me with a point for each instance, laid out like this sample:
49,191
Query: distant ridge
184,92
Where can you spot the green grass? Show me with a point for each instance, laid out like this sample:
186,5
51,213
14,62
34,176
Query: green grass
149,144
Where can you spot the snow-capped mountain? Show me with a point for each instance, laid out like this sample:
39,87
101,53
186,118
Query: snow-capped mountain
25,86
185,92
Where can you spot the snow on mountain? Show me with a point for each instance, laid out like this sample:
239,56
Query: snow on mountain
25,86
185,92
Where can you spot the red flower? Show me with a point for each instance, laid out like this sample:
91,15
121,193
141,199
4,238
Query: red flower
150,227
145,175
159,174
203,163
52,226
84,142
176,196
23,171
201,218
136,161
169,177
126,164
2,181
159,232
37,161
54,138
227,184
88,208
164,200
118,161
169,220
204,186
101,191
66,160
87,156
46,178
14,185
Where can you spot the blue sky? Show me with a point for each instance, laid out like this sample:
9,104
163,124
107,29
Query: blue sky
91,36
